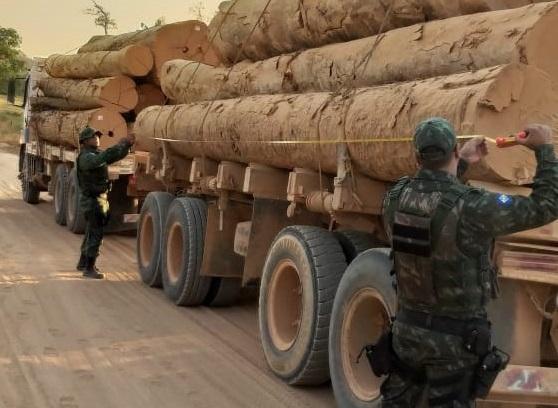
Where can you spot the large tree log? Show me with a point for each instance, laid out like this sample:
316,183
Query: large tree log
292,25
116,93
421,51
182,40
493,101
149,95
63,127
40,103
134,61
439,9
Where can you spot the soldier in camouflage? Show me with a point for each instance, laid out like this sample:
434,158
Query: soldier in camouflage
442,233
94,185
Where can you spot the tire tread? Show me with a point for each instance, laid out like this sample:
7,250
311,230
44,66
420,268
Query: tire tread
328,265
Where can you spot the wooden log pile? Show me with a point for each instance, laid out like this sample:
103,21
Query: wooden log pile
422,51
111,80
489,73
292,25
492,101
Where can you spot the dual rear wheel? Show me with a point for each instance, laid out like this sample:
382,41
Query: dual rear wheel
315,314
170,247
65,190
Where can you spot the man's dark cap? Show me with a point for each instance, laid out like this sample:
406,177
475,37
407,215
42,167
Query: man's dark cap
435,139
88,133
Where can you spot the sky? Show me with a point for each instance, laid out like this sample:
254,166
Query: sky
59,26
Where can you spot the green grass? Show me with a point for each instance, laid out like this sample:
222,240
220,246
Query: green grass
11,122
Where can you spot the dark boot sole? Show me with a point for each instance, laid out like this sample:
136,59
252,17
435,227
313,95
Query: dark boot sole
96,277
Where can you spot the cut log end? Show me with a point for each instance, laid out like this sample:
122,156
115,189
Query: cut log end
120,94
63,127
149,95
138,60
111,124
187,40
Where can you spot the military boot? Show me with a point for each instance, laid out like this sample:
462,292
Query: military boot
91,270
82,264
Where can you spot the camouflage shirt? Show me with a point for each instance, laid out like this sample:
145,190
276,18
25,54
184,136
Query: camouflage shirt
478,218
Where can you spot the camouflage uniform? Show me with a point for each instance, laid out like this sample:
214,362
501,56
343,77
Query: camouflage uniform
454,281
92,168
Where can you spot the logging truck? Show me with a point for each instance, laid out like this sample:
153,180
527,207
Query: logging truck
48,165
272,173
315,246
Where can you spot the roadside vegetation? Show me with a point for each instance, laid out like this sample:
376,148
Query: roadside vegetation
11,123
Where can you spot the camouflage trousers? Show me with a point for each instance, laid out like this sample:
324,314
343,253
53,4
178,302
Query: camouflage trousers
447,370
96,215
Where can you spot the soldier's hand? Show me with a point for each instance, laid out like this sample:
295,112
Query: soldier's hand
130,139
474,150
537,135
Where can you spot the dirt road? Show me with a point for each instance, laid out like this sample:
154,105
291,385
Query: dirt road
66,342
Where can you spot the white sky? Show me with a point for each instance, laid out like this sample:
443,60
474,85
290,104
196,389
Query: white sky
58,26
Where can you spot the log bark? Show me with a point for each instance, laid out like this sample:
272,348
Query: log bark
134,61
440,9
493,102
292,25
149,95
421,51
40,103
115,93
182,40
63,127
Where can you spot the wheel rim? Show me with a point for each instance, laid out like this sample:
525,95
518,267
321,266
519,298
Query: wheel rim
175,260
366,318
146,240
284,311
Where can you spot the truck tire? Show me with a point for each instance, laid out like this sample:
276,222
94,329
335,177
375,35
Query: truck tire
183,252
300,277
60,194
362,311
75,219
355,242
149,243
223,292
30,191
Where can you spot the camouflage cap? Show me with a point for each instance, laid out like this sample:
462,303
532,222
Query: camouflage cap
88,133
435,139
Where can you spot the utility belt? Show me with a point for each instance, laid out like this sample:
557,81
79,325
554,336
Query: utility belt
476,333
477,339
97,192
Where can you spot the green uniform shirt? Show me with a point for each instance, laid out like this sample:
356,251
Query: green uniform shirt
92,167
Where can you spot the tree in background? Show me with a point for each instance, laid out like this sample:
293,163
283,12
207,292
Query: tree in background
199,11
102,16
159,22
10,56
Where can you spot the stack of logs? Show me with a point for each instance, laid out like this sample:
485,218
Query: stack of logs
349,70
111,80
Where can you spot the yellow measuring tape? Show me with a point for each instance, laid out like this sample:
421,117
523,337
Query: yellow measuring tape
321,142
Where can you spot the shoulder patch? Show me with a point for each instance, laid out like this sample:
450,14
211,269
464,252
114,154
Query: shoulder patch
504,200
